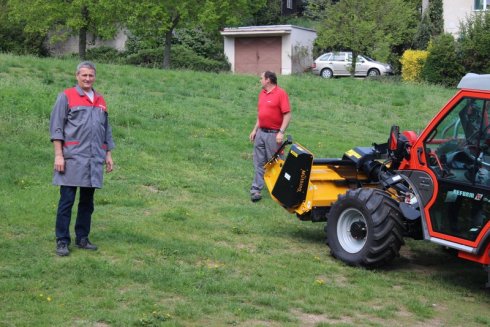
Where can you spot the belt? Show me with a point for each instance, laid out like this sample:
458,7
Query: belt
267,130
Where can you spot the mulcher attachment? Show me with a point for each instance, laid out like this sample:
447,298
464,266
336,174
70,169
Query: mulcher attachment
292,183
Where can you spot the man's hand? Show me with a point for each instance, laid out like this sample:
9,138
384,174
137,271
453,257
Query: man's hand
251,137
279,137
59,163
109,164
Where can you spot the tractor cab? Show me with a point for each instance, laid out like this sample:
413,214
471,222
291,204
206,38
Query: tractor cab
454,151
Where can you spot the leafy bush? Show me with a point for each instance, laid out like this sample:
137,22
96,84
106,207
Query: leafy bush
474,40
13,39
412,63
182,57
104,54
146,58
442,65
206,44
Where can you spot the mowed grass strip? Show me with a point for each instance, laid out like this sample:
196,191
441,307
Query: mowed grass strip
180,243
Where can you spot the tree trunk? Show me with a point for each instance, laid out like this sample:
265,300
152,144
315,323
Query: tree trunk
166,49
82,35
354,62
82,43
168,42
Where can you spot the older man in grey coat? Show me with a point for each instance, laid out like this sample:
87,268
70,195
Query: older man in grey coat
82,139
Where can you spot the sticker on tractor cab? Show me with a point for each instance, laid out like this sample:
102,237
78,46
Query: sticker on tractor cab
452,195
293,153
352,153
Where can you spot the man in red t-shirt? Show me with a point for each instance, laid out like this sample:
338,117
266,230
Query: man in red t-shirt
273,116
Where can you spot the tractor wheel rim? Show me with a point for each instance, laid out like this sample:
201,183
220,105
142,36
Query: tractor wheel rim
352,230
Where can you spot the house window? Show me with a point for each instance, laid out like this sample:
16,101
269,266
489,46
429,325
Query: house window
482,4
289,4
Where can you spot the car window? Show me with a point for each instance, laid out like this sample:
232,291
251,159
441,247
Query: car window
325,57
340,56
359,58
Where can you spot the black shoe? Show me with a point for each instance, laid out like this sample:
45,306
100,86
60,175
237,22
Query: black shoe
62,249
85,244
255,197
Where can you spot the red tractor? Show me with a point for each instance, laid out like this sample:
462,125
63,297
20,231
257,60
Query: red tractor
434,186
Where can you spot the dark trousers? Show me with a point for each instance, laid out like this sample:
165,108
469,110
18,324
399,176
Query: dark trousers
84,213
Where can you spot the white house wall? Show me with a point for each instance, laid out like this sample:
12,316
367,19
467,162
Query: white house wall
455,12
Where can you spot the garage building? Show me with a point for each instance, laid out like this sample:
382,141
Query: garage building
284,49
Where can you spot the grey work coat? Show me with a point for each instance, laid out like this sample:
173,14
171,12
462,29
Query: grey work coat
83,127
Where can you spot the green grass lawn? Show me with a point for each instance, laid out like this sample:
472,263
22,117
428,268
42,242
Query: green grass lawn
180,242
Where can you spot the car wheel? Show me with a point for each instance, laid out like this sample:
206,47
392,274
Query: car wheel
373,72
326,73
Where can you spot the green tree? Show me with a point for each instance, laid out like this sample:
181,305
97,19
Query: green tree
423,34
436,17
474,41
12,36
62,18
368,26
155,19
442,64
270,14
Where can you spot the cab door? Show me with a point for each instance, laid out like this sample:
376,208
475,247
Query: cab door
457,153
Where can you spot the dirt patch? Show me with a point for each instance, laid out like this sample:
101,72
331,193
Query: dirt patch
311,320
256,323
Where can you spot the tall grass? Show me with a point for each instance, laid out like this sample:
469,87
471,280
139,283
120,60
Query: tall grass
180,243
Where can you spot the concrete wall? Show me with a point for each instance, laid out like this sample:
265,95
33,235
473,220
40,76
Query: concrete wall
229,49
302,41
71,45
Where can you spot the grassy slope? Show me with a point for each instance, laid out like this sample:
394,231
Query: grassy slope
180,242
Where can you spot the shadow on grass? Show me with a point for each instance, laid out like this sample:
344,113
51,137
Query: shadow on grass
308,235
424,259
440,265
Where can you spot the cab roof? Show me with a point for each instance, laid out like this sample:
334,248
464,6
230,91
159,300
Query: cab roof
475,82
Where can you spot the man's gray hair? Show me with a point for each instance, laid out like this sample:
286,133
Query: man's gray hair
86,64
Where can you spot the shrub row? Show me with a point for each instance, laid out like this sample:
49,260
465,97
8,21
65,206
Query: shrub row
446,59
181,57
440,64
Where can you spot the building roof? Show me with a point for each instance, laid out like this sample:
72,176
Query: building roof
262,30
475,82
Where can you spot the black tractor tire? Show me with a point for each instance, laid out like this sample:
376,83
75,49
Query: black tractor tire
365,228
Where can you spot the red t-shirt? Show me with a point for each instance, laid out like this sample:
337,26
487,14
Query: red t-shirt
271,108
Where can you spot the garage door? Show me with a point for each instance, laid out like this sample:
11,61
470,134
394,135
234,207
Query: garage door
253,55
